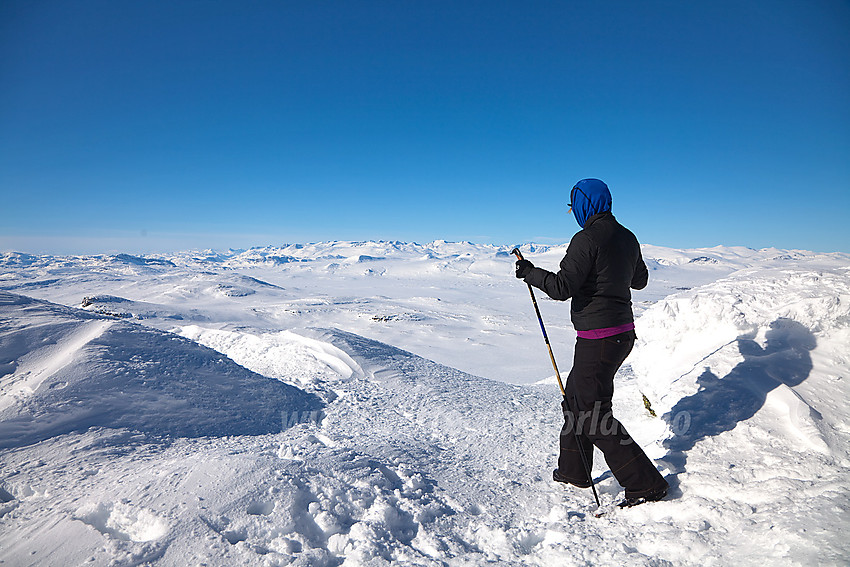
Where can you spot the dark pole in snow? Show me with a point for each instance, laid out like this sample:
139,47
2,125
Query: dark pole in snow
518,254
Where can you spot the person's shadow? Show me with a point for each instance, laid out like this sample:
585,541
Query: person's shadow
722,403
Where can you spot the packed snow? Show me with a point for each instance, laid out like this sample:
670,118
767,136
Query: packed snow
377,403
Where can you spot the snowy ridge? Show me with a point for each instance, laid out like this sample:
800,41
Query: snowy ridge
687,331
94,372
226,408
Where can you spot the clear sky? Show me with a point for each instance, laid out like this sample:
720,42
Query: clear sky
154,125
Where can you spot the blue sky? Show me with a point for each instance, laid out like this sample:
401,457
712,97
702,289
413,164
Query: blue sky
148,125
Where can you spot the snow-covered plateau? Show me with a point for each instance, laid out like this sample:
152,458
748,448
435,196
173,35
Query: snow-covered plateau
388,403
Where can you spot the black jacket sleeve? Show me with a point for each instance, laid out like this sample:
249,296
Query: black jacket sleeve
575,267
641,277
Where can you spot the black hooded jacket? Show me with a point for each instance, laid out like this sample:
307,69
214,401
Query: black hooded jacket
602,263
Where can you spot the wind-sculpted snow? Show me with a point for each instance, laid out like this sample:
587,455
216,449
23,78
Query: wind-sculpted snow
738,316
392,446
711,358
68,372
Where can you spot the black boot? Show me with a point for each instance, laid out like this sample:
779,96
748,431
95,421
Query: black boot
653,496
558,477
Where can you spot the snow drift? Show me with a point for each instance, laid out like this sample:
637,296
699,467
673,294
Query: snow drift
68,370
713,357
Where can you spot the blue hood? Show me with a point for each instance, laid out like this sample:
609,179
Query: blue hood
589,197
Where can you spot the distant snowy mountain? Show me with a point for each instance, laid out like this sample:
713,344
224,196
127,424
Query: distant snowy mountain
389,403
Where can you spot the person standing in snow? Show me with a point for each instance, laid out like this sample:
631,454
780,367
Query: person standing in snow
603,261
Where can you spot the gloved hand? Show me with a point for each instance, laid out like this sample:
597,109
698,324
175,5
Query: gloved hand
522,268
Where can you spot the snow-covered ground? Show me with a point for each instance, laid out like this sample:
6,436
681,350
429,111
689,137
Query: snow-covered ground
385,403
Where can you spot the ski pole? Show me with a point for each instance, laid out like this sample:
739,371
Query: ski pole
518,254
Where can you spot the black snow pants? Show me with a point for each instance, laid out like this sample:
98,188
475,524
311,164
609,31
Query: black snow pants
587,410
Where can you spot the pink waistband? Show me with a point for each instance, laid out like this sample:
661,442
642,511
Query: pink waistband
606,332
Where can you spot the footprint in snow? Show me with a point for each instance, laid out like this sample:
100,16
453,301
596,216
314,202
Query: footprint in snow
123,522
260,508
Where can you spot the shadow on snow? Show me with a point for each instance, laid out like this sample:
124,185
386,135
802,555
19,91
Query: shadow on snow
721,403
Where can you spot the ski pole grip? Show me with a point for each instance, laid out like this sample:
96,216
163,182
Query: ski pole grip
517,253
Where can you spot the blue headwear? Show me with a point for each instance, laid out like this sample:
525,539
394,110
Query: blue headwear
589,197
